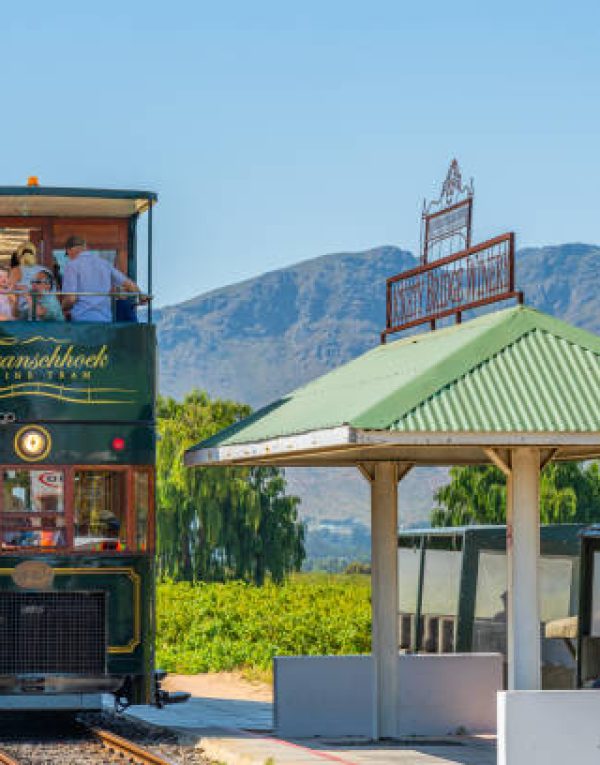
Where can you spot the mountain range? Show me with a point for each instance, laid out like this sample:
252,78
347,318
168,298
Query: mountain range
256,340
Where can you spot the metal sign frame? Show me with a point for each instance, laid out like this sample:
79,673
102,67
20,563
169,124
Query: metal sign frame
446,218
472,278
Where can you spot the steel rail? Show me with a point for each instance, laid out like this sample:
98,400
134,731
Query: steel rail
6,759
125,748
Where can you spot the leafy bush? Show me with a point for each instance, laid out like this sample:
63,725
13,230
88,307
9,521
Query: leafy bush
214,627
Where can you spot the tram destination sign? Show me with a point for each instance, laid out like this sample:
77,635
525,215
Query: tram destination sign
70,371
469,279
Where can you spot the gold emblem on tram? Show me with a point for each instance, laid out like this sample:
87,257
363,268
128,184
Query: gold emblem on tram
32,443
33,575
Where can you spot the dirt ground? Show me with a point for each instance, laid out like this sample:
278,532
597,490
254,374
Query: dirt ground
219,685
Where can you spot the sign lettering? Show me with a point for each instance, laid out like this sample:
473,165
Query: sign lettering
474,277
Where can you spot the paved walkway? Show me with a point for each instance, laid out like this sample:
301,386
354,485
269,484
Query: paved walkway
238,732
201,713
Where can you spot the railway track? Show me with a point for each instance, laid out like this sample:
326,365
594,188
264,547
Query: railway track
103,748
86,743
126,749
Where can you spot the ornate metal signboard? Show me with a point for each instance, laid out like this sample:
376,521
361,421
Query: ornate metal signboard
447,286
446,222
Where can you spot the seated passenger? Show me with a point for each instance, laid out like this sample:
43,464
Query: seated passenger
22,273
23,265
42,299
7,302
87,272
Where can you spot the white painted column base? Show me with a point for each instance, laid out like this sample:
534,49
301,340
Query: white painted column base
548,728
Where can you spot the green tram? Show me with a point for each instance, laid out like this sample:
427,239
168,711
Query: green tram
453,595
77,456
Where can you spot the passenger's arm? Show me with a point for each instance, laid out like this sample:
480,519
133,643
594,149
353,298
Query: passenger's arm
124,283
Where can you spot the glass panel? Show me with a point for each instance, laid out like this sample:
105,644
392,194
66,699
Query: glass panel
141,502
441,582
408,582
556,576
408,579
33,509
595,630
99,511
557,582
489,628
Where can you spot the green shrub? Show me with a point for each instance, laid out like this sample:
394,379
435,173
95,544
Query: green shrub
217,627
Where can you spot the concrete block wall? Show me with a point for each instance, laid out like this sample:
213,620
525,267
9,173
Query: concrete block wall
438,694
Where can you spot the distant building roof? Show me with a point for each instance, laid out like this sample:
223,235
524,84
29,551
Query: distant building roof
516,376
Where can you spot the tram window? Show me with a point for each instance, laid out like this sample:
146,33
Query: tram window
13,238
99,510
33,509
141,502
60,256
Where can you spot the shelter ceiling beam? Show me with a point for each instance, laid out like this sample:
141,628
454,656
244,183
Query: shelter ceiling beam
346,445
547,455
501,458
367,470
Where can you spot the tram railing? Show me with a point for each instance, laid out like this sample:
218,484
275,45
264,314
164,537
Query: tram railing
29,311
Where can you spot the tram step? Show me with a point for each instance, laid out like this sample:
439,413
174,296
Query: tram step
174,697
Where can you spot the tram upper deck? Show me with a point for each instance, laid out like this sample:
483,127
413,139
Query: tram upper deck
62,375
107,219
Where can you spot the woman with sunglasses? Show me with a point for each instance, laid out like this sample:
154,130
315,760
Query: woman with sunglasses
42,299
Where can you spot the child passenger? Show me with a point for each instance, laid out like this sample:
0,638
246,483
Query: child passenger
7,302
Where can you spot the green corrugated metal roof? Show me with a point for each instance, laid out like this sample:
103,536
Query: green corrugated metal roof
513,370
540,383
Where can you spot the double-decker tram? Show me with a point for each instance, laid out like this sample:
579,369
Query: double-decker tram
77,450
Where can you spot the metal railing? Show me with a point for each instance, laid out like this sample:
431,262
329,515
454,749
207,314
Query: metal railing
29,312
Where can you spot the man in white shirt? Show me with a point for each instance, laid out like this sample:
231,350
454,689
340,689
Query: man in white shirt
87,272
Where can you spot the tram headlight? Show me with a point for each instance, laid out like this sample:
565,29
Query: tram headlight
32,443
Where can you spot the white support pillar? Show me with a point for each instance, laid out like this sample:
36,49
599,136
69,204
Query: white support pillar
523,551
384,598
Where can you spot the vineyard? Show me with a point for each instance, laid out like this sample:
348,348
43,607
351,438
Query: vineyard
219,627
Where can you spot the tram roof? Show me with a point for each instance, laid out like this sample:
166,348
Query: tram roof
31,201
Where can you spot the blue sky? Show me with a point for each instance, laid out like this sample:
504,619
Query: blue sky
279,131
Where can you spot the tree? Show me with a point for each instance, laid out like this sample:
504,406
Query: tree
569,493
222,522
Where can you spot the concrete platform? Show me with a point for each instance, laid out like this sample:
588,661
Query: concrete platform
237,732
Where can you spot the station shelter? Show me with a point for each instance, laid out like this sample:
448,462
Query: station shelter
515,388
